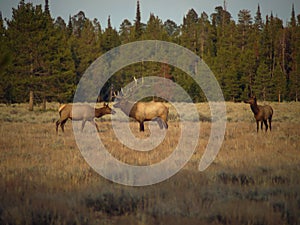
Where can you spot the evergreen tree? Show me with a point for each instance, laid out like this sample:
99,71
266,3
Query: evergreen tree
5,58
154,29
24,36
293,56
258,22
36,53
262,81
189,36
77,23
278,85
85,47
204,27
173,30
126,31
138,24
110,38
70,26
60,23
257,32
47,10
244,28
49,57
221,16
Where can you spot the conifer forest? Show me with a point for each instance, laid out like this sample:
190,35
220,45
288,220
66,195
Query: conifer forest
48,55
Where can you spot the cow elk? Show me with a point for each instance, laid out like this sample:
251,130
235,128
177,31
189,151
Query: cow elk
261,113
82,112
144,111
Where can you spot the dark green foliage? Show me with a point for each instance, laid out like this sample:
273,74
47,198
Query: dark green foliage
110,38
49,56
41,60
138,25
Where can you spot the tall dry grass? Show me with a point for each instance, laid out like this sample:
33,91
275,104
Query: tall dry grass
254,179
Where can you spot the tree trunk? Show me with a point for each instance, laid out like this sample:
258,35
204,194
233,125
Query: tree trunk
44,103
31,101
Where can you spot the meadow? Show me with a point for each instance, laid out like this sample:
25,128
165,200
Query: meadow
254,179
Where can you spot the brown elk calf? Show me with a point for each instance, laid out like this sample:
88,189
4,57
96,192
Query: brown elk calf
261,113
144,111
81,112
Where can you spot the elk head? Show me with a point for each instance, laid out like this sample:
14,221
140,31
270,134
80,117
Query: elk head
252,100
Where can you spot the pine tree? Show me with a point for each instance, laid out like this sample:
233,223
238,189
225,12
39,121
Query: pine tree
154,29
203,27
293,56
4,55
244,27
36,53
24,36
110,38
47,10
172,30
126,31
189,36
138,24
257,32
278,84
5,58
70,26
258,22
86,46
77,23
293,17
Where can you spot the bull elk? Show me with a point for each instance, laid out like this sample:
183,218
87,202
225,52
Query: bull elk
261,113
144,111
81,112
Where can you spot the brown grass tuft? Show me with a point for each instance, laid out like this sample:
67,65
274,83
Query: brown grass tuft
254,179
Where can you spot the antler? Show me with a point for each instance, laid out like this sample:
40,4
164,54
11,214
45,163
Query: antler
118,96
130,90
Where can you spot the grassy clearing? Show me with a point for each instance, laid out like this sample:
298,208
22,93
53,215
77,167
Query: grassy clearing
254,179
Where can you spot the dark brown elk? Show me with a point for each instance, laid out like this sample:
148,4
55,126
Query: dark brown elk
261,113
144,111
82,112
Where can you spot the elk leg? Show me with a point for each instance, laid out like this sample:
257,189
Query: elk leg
164,123
160,123
62,125
266,124
57,124
261,125
82,125
257,126
95,124
270,122
142,126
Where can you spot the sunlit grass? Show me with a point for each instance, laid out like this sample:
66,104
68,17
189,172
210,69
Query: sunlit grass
254,180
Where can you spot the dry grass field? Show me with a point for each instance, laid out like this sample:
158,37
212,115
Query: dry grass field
254,179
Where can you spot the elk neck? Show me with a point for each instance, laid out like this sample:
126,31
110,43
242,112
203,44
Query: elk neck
254,108
99,112
127,107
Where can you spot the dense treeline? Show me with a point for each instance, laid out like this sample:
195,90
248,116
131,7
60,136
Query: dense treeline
48,56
